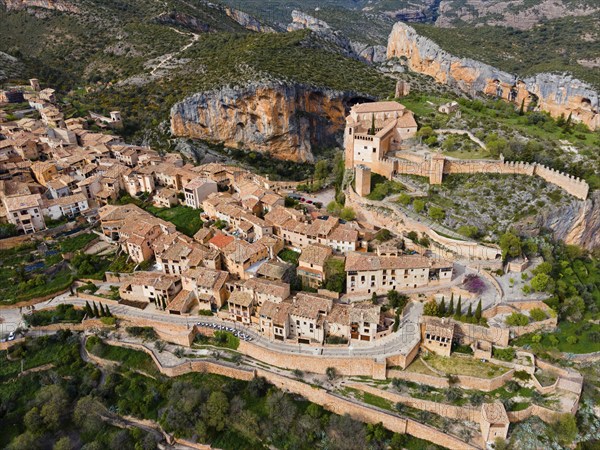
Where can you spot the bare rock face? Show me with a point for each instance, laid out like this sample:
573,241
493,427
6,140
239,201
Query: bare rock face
576,223
247,21
287,121
58,5
183,20
556,94
365,52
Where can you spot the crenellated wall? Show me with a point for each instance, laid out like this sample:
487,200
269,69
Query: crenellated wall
438,166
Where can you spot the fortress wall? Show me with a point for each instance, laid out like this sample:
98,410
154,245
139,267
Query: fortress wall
400,223
547,325
573,185
488,166
471,332
368,367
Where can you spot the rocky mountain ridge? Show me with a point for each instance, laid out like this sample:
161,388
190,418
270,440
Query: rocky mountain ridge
353,49
288,121
58,5
558,94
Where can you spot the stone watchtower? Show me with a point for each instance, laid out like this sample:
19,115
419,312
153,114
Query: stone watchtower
402,89
35,84
362,178
436,168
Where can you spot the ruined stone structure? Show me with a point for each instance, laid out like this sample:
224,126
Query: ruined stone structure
402,89
556,94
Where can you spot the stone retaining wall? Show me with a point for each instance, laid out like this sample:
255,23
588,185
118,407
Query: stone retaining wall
327,400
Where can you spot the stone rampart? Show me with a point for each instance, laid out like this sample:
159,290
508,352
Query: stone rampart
327,400
412,164
358,366
400,223
573,185
549,324
469,333
463,381
472,414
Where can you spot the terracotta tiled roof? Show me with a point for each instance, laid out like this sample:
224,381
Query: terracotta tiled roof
315,254
369,261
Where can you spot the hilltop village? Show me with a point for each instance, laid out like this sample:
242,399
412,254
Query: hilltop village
302,290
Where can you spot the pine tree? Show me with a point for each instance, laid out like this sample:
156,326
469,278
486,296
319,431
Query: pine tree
88,309
458,311
442,308
478,311
95,310
470,310
102,312
568,122
451,307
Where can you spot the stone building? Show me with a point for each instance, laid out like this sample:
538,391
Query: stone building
437,335
494,421
25,212
374,131
311,265
362,177
368,273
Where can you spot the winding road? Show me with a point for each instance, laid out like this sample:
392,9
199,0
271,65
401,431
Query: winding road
400,342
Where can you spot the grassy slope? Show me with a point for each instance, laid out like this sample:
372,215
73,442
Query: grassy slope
235,58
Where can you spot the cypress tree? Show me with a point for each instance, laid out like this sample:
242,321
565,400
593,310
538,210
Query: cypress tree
451,307
107,312
88,309
470,310
478,311
95,310
102,312
164,303
372,130
442,308
458,311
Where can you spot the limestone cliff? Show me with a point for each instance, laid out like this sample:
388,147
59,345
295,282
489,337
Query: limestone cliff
58,5
183,20
247,21
576,223
556,94
286,120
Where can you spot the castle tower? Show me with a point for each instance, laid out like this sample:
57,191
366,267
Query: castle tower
436,168
402,89
349,147
116,120
362,178
35,84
